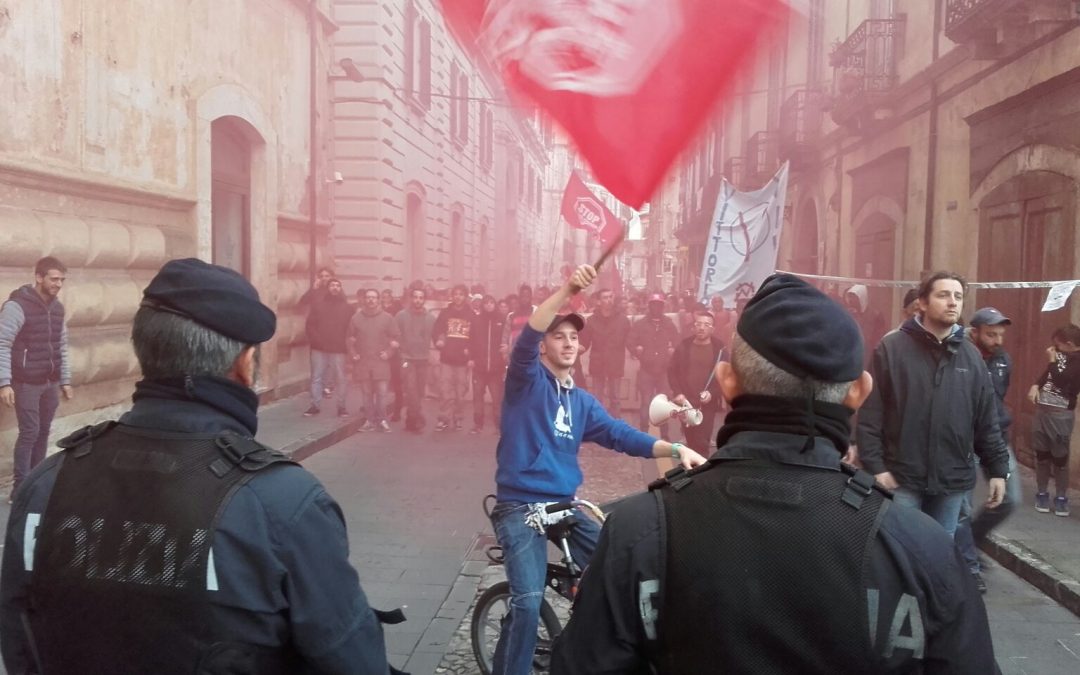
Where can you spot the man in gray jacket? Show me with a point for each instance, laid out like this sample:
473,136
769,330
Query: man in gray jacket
415,324
373,337
931,407
34,364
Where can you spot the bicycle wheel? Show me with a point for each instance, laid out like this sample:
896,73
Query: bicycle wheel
490,615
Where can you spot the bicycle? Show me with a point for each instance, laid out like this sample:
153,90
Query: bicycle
563,577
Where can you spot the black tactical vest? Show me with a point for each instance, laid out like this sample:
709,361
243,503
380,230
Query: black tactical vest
123,574
757,553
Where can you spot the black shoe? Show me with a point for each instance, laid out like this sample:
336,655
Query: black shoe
980,583
312,411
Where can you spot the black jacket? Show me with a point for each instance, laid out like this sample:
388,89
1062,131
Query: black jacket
280,549
689,384
485,342
999,365
607,347
911,558
932,406
328,321
453,327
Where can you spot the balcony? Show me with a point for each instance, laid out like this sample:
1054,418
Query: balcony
735,172
996,28
865,70
762,151
800,126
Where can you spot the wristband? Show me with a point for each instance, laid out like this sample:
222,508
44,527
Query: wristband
675,447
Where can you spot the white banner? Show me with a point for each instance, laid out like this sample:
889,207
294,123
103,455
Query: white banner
743,241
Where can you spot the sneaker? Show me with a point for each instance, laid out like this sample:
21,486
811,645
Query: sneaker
476,430
1061,506
312,411
384,427
442,425
342,412
1042,502
367,426
980,583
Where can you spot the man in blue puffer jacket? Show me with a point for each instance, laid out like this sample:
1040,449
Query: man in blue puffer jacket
544,422
34,365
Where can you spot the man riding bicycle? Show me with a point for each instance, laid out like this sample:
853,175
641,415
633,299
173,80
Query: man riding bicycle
544,422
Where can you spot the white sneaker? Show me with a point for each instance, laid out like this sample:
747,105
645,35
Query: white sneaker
384,427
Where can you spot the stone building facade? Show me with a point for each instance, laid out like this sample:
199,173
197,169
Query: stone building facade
923,134
130,136
443,181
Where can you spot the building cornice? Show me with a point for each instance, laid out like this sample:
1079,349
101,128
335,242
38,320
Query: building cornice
69,183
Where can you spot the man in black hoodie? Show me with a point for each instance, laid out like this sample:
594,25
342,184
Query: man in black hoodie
487,362
932,405
327,325
451,336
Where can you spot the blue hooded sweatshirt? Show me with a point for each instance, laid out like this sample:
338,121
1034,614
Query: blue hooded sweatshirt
544,423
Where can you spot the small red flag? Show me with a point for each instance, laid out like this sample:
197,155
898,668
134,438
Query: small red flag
630,81
585,211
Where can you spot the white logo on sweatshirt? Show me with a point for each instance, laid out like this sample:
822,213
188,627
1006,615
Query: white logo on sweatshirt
561,427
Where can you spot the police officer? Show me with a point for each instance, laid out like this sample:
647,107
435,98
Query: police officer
773,557
171,541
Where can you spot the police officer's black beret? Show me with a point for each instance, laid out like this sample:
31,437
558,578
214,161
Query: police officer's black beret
212,296
799,329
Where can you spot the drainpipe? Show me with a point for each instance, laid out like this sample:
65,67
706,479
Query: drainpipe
931,155
313,226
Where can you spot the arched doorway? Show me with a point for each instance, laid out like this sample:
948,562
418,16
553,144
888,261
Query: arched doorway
415,239
1027,233
875,258
230,195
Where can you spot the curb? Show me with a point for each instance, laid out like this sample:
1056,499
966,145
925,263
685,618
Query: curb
1032,568
306,446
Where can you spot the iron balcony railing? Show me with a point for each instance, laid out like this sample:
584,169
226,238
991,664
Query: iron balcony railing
735,171
800,122
980,20
761,157
866,62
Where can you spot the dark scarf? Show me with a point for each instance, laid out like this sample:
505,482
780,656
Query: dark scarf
231,398
751,412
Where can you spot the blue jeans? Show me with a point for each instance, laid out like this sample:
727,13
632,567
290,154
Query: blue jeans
35,406
526,553
321,362
943,508
972,531
373,395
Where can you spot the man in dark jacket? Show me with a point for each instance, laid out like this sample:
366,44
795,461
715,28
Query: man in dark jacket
773,557
987,333
652,342
487,362
932,406
452,330
608,329
327,326
34,365
224,556
691,377
392,306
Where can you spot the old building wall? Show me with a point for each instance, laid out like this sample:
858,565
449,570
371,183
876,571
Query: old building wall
105,162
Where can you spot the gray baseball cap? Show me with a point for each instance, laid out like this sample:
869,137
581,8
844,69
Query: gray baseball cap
988,316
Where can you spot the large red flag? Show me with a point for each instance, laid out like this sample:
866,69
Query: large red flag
630,81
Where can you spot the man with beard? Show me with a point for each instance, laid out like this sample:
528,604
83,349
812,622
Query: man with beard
932,406
537,463
652,341
34,365
609,329
328,326
171,541
373,338
987,332
774,557
691,378
452,329
392,306
487,362
415,324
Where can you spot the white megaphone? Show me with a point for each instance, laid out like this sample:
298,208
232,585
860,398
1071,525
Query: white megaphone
661,409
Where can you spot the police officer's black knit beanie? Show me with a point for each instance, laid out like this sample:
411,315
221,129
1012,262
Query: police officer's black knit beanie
213,296
799,329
